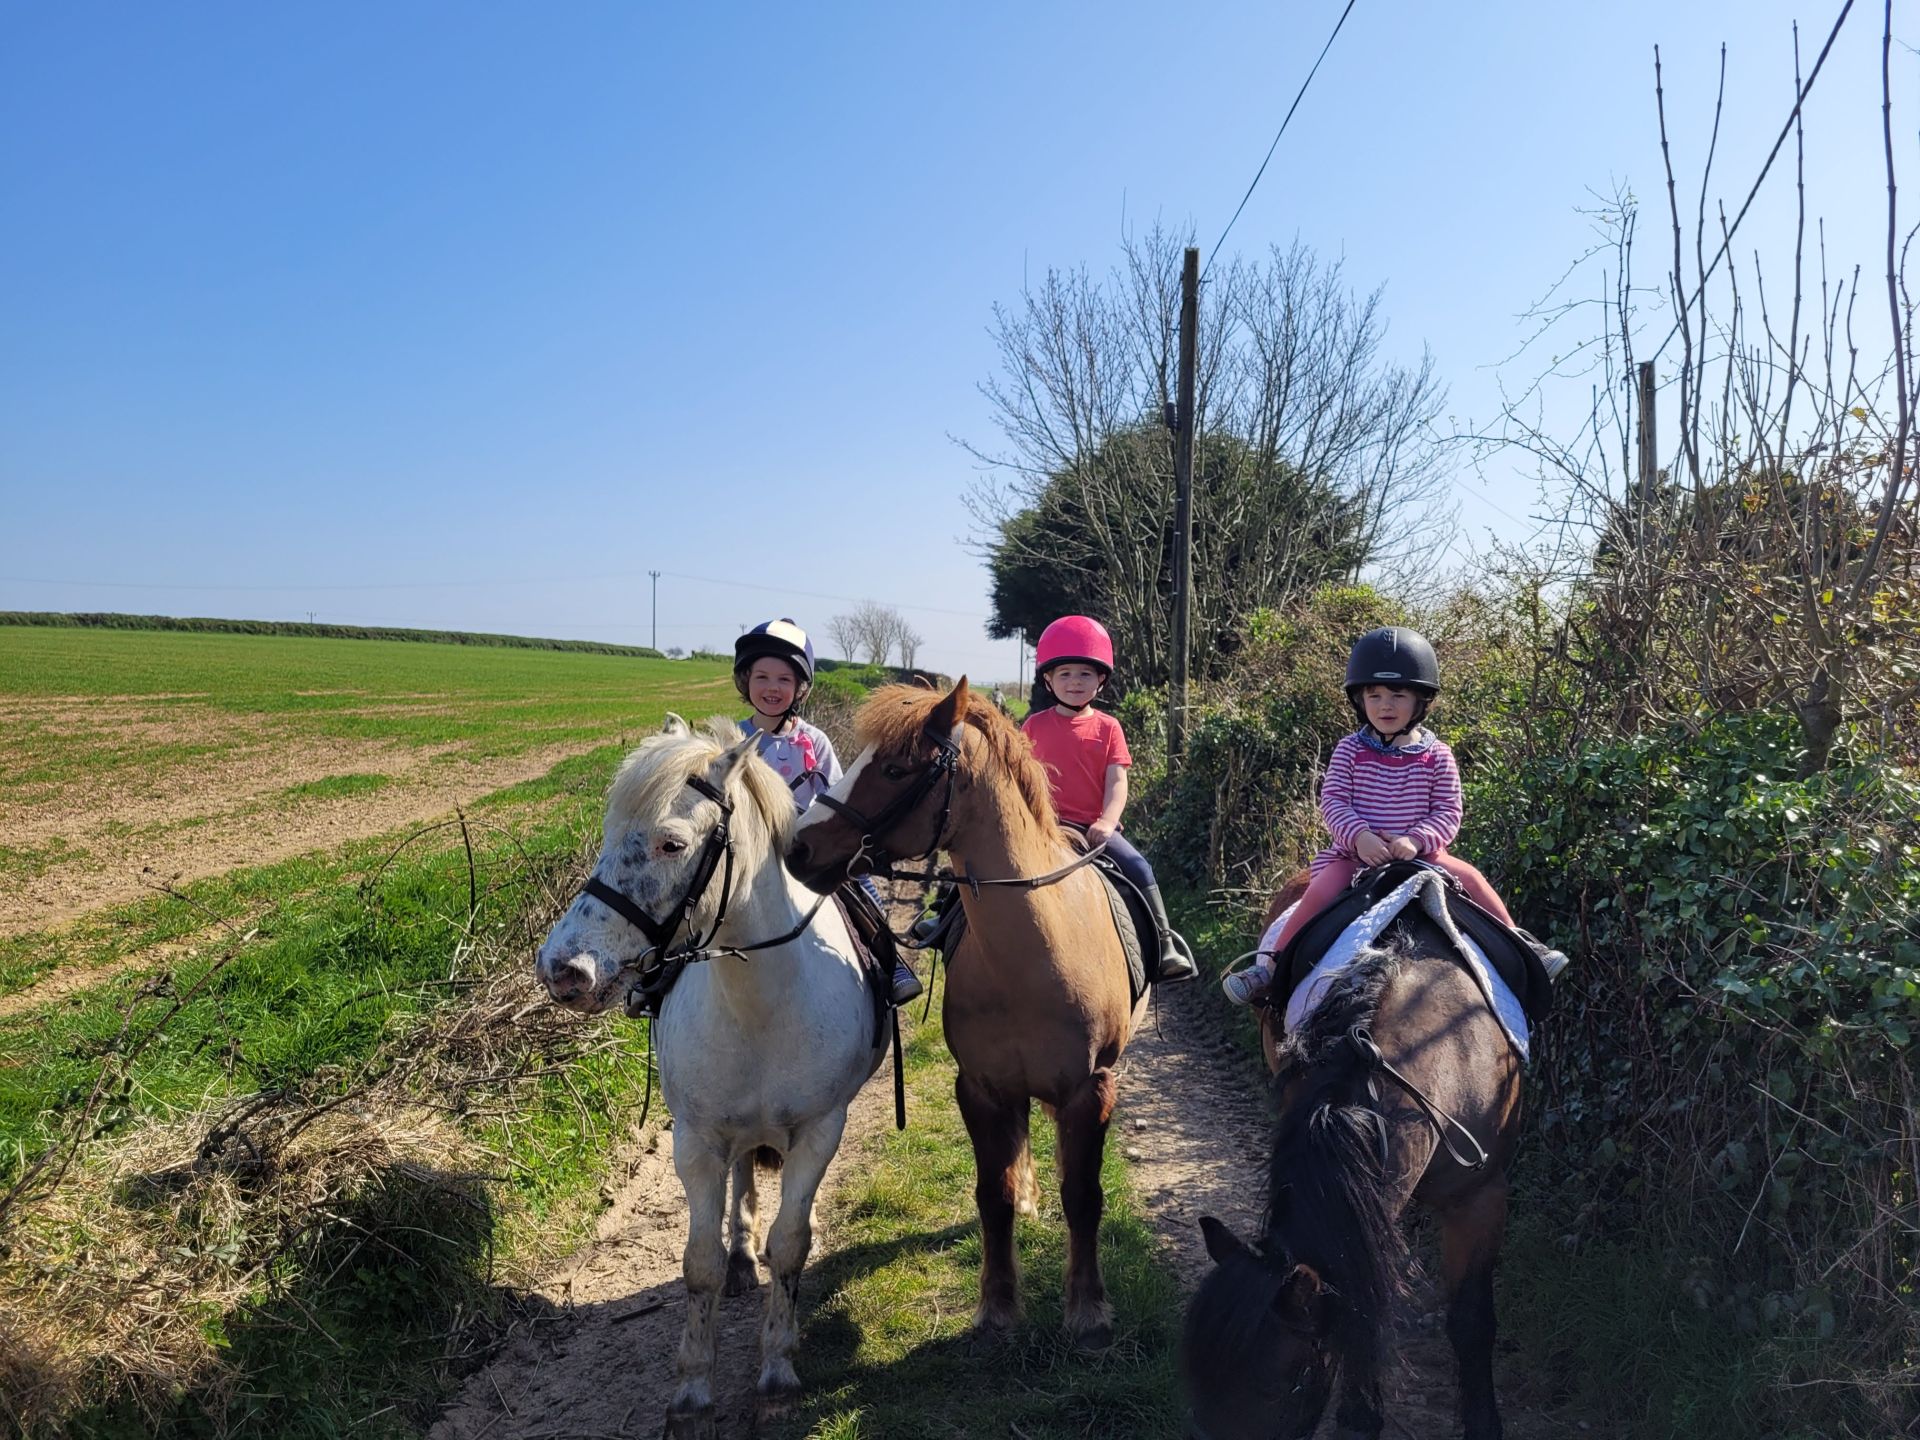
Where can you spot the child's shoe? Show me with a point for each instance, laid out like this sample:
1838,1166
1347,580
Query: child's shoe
906,985
1553,960
1243,987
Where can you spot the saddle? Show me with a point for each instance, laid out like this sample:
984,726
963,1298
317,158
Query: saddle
1132,921
1512,959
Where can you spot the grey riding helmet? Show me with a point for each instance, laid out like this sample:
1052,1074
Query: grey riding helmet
1392,655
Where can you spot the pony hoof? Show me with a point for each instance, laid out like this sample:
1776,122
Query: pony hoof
691,1424
988,1337
743,1276
1094,1339
772,1409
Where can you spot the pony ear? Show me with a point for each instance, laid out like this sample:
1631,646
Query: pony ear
948,714
722,770
1302,1297
675,725
1222,1243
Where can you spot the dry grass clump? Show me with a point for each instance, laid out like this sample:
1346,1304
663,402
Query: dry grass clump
130,1265
118,1280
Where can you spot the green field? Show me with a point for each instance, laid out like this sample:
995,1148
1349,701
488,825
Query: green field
387,974
304,692
324,974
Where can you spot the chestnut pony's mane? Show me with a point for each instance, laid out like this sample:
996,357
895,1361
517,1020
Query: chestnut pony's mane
892,720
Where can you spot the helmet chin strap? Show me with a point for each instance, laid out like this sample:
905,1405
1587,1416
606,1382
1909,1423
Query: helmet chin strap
1420,707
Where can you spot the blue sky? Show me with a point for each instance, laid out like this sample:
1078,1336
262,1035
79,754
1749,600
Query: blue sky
470,315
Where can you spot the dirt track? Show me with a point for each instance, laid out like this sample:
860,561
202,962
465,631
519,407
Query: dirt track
597,1358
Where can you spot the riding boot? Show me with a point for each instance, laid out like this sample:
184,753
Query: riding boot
1176,960
906,984
927,929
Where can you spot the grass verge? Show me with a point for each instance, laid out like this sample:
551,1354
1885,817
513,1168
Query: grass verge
886,1344
277,1188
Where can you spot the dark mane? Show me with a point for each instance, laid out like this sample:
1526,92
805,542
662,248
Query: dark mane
1328,1200
893,719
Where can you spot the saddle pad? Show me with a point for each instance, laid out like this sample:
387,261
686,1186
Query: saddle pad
1428,888
1508,955
1134,922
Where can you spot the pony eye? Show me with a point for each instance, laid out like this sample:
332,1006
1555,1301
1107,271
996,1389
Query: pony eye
894,772
673,847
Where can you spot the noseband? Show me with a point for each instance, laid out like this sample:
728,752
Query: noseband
945,761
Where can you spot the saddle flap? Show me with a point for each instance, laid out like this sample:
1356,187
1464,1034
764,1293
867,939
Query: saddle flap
873,943
1139,934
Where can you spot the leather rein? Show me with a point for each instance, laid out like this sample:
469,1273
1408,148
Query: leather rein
657,967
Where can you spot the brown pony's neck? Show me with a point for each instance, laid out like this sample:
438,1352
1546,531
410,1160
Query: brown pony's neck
995,834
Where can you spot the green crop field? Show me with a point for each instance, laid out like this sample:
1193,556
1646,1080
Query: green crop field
156,740
232,874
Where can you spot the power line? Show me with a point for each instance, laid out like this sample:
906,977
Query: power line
1283,130
571,579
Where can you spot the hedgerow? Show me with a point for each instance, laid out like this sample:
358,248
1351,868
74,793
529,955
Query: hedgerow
1721,1104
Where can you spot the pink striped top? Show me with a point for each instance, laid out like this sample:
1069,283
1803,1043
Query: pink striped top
1413,791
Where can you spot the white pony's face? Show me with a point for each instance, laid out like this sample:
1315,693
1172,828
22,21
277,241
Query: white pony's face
657,827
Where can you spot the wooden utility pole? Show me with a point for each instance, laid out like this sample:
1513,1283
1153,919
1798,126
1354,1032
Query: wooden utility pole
1649,458
1183,427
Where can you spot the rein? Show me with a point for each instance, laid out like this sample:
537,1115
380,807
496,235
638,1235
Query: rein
945,763
1371,1060
657,967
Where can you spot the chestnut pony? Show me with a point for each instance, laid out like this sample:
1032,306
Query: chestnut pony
1277,1321
1037,1006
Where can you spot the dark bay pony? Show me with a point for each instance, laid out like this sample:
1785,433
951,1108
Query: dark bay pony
1037,1006
1279,1321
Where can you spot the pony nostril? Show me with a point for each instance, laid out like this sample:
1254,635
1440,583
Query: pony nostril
798,855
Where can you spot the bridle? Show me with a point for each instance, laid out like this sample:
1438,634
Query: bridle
943,766
657,967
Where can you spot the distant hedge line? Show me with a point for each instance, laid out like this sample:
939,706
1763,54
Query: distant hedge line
330,632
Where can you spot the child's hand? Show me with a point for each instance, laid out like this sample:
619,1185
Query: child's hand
1099,832
1371,849
1403,847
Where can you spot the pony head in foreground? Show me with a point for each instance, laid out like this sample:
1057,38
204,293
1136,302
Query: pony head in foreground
923,760
658,828
1267,1330
1283,1318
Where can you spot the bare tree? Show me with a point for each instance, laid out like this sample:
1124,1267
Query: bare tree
871,630
908,641
1317,455
844,631
1770,561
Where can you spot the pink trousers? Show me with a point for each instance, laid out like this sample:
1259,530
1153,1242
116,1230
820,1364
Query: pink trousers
1336,873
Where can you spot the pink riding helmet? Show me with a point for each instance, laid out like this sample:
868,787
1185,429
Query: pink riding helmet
1073,637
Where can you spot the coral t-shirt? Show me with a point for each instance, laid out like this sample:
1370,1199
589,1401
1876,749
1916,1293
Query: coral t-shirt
1077,749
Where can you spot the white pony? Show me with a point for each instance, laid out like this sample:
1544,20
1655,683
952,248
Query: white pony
759,1050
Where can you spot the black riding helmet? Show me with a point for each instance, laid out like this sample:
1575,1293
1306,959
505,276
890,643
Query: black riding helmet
1393,655
781,640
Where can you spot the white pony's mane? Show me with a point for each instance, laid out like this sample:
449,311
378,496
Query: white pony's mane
652,779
